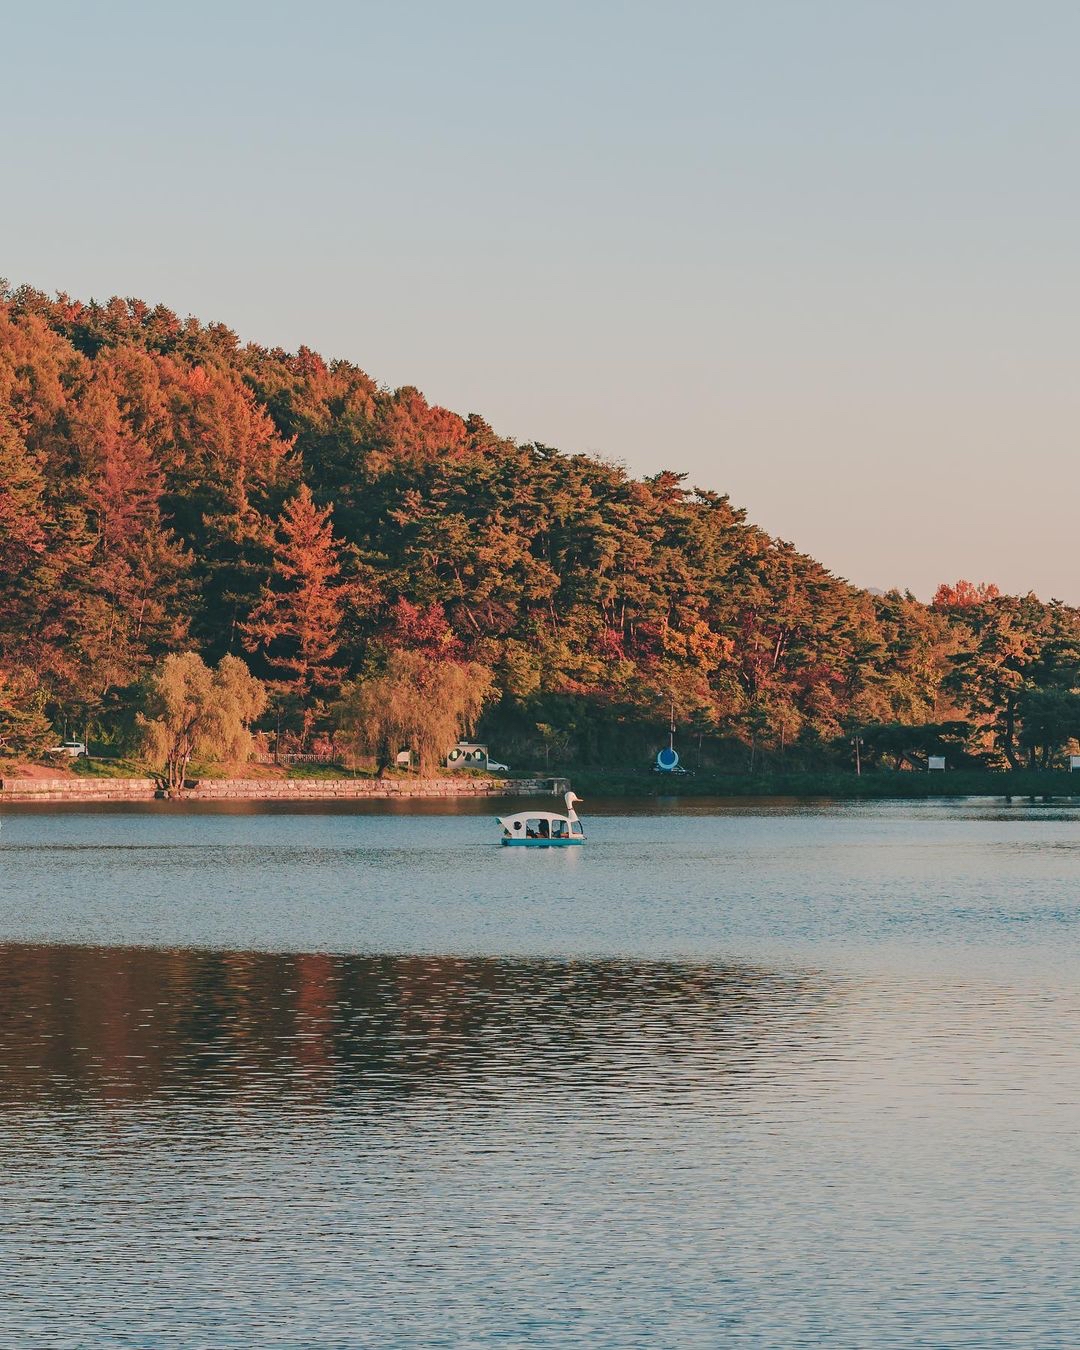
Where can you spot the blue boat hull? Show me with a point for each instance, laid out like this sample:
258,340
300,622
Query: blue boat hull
541,843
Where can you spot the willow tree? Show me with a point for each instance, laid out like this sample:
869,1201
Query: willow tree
193,712
419,702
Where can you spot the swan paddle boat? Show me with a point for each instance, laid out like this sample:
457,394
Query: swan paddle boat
543,829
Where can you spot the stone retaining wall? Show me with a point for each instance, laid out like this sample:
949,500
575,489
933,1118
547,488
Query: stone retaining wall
76,789
311,789
274,789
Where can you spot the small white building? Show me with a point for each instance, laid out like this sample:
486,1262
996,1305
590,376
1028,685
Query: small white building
468,755
936,762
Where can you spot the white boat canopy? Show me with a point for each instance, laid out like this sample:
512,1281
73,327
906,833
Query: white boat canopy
544,827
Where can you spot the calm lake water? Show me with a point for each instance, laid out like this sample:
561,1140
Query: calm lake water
766,1075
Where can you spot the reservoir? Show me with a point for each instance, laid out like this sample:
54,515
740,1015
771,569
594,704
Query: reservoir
757,1074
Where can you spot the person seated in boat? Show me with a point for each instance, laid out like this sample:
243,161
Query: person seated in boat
542,826
560,829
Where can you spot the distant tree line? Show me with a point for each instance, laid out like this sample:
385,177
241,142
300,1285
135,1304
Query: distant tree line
165,490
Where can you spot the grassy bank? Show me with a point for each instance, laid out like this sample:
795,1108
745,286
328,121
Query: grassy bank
106,768
873,785
878,785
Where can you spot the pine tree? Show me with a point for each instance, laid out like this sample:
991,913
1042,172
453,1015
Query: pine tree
129,601
298,621
24,728
23,528
38,549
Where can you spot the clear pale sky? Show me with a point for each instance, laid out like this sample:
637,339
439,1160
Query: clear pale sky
820,254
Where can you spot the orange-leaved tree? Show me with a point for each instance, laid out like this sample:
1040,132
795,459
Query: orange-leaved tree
297,623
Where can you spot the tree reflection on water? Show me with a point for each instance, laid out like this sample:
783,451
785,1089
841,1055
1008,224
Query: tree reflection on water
121,1024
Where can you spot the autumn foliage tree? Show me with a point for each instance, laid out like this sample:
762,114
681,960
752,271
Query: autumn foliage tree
24,532
964,595
165,488
131,592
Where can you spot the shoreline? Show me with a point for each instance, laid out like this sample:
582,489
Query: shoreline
28,783
880,785
593,785
25,789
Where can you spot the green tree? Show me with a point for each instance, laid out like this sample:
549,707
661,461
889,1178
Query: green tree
1016,645
911,745
418,701
1050,719
24,728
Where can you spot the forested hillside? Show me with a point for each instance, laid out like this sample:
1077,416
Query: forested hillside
164,488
